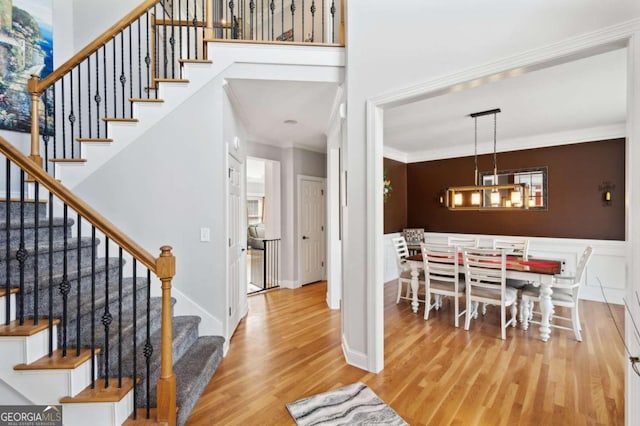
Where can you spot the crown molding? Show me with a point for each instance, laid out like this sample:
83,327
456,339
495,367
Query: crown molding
600,41
395,154
590,134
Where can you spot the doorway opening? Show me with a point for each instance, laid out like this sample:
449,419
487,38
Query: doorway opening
263,224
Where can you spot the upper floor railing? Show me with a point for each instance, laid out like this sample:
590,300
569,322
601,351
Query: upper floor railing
303,21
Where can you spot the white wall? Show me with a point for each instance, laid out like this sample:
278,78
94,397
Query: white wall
63,31
93,17
437,40
168,203
234,137
334,243
273,193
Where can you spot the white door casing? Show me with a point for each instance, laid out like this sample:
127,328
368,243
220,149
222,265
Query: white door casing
311,229
236,243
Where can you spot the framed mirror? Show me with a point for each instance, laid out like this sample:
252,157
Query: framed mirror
534,177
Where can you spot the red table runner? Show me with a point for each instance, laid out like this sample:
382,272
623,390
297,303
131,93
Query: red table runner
542,266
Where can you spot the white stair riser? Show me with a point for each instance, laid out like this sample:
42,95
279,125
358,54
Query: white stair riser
48,386
98,414
3,308
21,350
25,349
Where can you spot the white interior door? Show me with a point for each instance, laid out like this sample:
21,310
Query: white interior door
237,253
311,205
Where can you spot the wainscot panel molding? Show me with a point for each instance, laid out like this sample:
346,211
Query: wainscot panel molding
608,263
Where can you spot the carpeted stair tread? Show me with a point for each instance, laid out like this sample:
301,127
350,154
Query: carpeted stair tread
72,274
43,246
12,232
127,327
56,256
100,299
29,223
29,207
193,372
195,358
184,332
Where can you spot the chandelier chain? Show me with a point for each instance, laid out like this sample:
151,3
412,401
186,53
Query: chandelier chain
475,152
495,164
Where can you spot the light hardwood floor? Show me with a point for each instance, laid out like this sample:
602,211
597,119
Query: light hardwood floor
289,347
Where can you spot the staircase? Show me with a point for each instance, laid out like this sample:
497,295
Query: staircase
86,302
78,323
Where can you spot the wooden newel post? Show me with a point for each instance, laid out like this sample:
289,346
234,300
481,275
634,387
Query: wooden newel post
166,269
32,87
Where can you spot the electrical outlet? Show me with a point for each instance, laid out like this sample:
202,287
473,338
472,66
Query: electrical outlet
205,235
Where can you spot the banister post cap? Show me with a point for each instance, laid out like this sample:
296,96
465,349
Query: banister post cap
166,263
32,84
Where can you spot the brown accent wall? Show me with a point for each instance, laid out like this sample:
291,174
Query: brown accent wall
575,203
395,209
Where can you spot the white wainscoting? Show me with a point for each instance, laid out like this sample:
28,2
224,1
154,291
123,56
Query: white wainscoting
608,262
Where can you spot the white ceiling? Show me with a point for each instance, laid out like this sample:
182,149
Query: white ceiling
582,97
584,94
265,105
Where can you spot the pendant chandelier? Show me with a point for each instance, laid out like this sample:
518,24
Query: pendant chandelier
493,196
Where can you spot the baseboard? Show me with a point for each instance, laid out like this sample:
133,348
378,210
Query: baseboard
355,358
209,326
290,284
330,305
613,295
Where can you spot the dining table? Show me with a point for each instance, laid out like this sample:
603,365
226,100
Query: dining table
540,272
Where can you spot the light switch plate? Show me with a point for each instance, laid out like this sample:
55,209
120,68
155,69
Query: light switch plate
205,235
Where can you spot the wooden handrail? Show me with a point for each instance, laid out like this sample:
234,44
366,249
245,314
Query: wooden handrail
164,267
95,45
342,10
82,208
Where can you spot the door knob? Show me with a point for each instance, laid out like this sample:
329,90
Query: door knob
304,237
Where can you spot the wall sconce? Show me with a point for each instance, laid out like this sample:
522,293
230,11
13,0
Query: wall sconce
606,189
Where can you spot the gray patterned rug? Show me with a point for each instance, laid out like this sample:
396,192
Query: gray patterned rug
354,404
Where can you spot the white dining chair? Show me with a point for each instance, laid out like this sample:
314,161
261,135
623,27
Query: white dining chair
485,274
462,241
414,237
404,271
566,290
442,278
513,246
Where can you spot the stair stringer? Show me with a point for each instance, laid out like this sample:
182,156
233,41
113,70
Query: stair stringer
124,133
198,75
21,350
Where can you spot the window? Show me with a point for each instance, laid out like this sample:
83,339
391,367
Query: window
255,210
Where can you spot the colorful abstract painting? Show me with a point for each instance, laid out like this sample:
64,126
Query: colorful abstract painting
26,48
